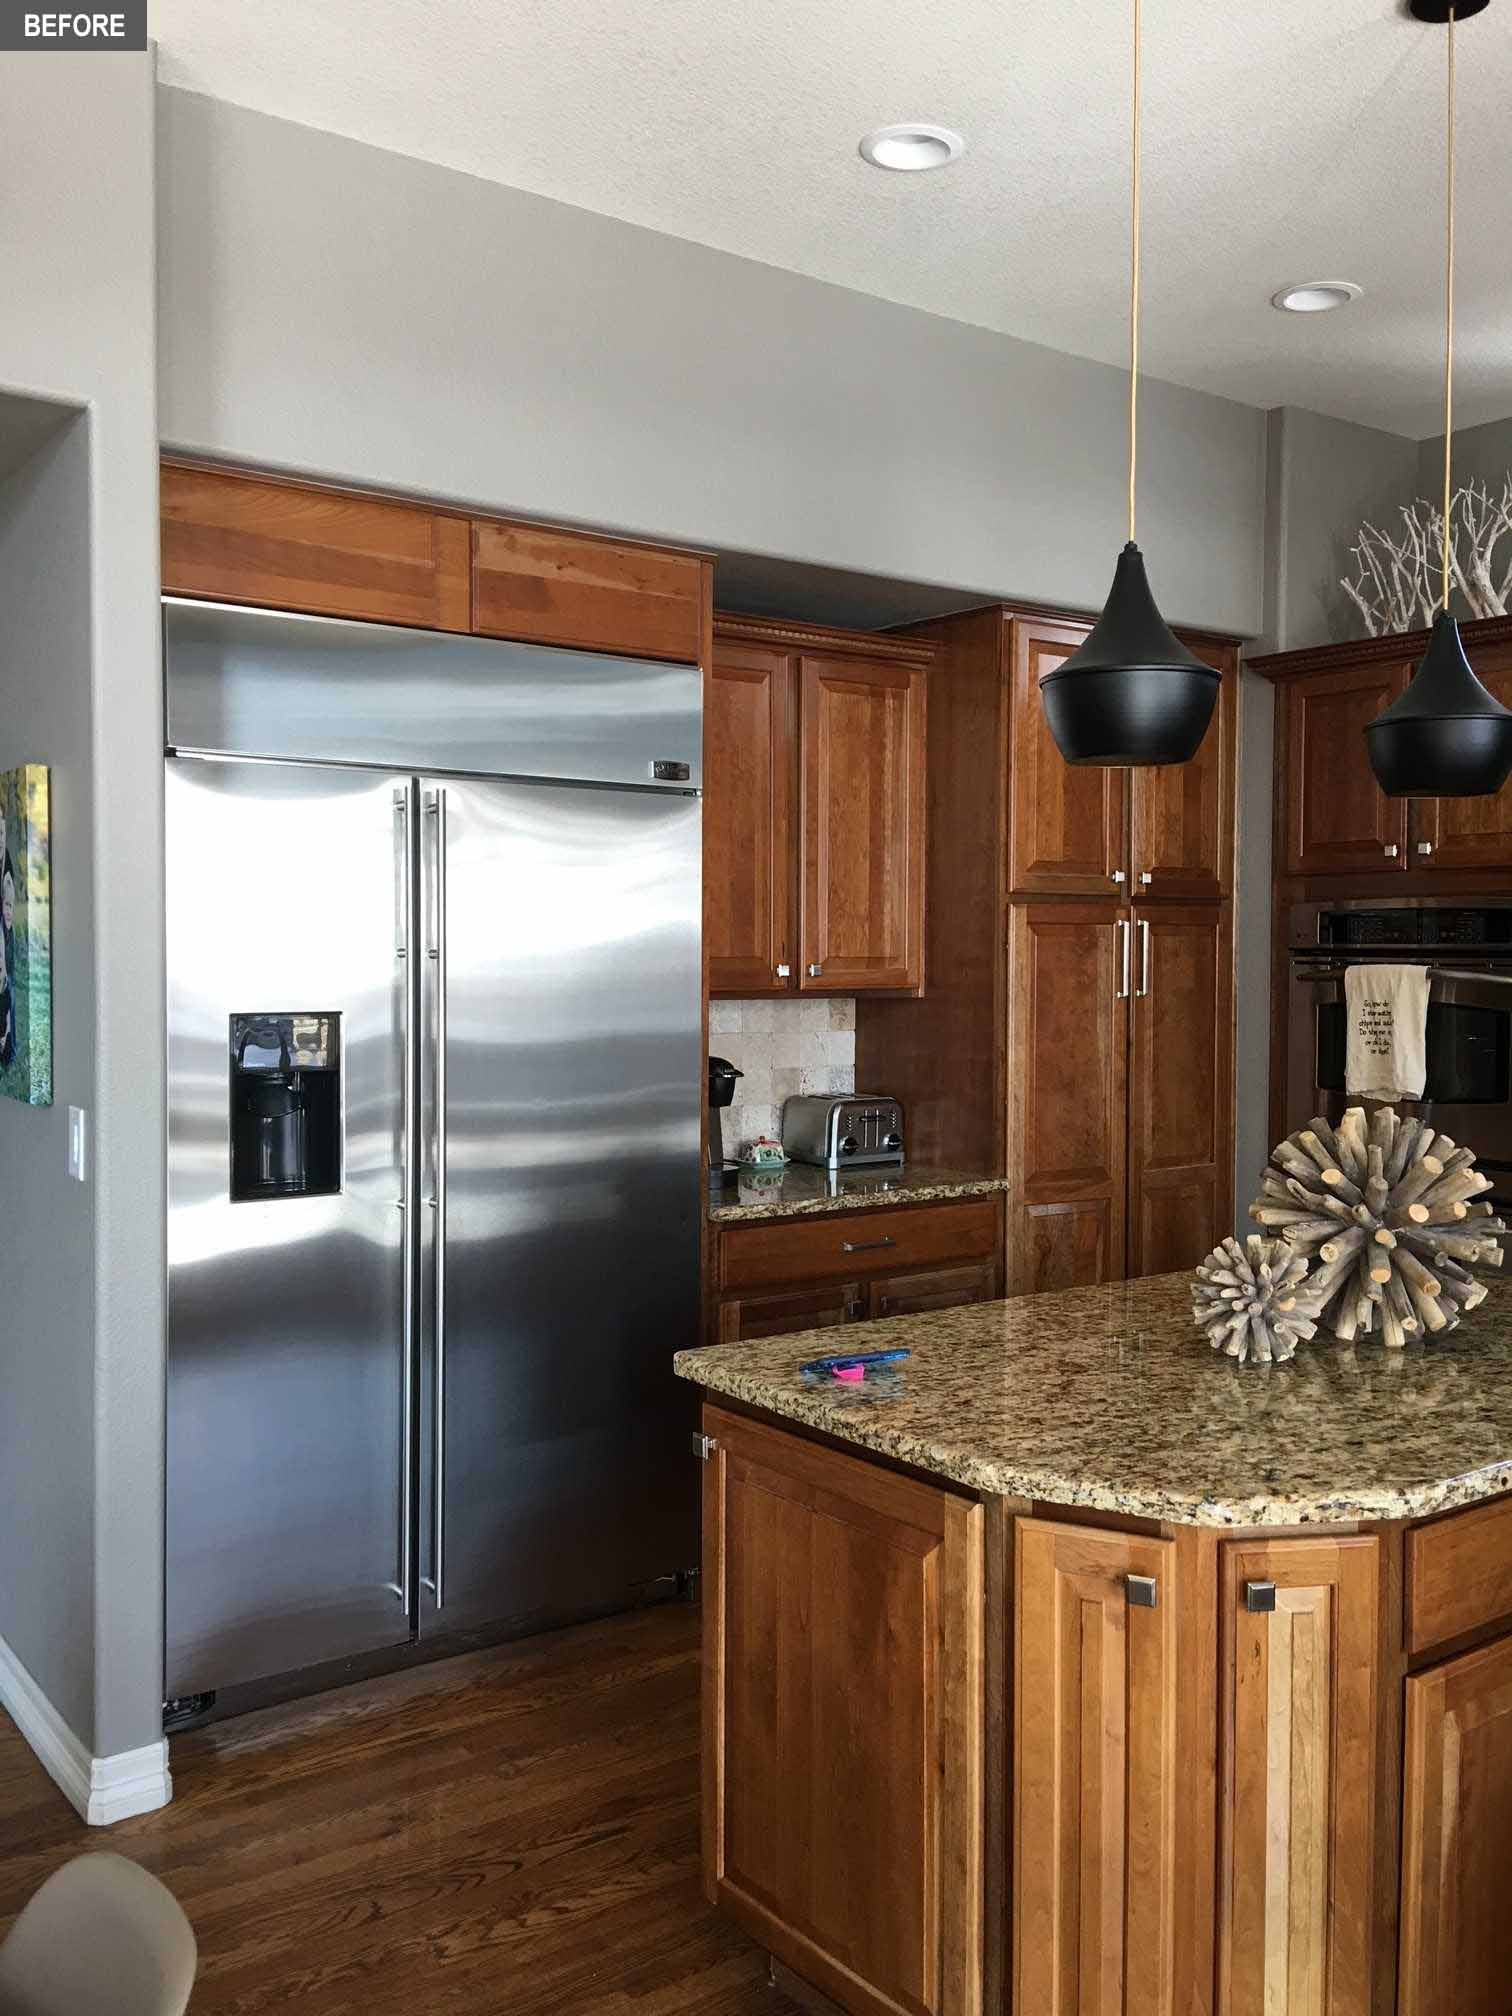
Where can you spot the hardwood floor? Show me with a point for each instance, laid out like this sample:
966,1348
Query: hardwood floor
512,1831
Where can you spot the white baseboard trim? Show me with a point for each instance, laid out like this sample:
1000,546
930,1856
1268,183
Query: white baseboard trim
101,1790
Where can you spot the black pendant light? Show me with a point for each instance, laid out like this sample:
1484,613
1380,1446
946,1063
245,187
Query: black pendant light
1133,695
1446,737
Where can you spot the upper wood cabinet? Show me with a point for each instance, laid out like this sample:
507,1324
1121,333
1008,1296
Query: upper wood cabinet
861,747
1296,1919
1095,1773
1182,814
1451,833
549,587
844,1712
1457,1838
1337,818
1181,1078
814,810
278,545
750,861
1068,827
1070,976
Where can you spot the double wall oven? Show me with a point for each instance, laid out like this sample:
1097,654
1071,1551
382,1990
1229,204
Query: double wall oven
1468,952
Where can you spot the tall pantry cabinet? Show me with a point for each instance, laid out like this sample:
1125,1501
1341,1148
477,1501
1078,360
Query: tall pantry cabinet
1078,1027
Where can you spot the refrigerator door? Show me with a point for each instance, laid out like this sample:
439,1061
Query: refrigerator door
561,1054
289,891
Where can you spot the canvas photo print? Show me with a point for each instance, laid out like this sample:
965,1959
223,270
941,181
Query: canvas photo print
25,937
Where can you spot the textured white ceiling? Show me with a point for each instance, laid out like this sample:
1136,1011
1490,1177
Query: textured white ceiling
1286,139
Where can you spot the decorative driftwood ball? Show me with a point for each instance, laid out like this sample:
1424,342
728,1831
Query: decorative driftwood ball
1247,1299
1391,1213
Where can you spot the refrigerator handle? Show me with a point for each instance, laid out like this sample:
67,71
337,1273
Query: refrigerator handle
407,982
435,807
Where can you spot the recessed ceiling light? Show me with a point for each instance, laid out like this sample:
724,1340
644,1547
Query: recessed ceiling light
1316,297
911,147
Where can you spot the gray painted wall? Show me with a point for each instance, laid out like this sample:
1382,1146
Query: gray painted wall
331,307
1481,455
77,249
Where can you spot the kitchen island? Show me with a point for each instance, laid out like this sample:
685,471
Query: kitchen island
1069,1668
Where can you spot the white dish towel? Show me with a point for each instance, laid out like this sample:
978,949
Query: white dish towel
1386,1012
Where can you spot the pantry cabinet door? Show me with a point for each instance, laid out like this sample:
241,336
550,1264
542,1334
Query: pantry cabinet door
750,884
1068,826
1182,831
1094,1775
1457,1838
844,1709
1299,1680
1070,973
1181,1092
862,774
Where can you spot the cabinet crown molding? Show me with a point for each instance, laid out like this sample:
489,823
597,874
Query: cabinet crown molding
788,635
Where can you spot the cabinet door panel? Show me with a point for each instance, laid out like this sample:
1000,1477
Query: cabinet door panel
1337,816
1181,836
862,769
1067,826
1067,1115
843,1714
549,587
940,1288
1468,832
1181,1092
748,852
1296,1919
1457,1838
1094,1774
278,545
1063,1246
749,1316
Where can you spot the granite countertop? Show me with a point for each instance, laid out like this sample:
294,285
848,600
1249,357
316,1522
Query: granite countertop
1110,1397
798,1190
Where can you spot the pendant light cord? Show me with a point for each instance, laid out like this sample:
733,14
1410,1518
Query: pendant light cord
1134,286
1449,326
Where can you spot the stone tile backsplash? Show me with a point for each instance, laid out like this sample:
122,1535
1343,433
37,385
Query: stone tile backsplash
783,1048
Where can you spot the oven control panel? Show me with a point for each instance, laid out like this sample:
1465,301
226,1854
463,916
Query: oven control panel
1409,927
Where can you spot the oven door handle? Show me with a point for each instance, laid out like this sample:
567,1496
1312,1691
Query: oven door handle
1319,975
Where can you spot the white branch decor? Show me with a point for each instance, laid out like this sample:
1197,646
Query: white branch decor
1246,1299
1393,1214
1396,586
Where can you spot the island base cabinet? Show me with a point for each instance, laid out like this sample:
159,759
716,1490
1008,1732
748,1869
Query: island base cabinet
843,1719
1300,1657
1457,1838
1095,1761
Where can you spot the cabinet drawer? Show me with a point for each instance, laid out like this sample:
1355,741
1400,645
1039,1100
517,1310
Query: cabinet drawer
874,1241
1459,1574
933,1288
550,587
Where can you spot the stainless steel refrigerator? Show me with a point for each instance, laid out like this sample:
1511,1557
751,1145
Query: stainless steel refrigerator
434,1079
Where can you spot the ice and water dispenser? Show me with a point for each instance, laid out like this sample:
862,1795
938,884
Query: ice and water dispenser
285,1106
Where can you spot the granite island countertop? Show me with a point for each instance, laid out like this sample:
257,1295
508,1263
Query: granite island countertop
1109,1397
798,1190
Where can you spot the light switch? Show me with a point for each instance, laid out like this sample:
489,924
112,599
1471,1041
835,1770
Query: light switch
78,1143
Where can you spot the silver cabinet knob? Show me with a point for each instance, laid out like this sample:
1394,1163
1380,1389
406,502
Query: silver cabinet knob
1425,846
1118,875
1146,877
815,969
1260,1597
1143,1592
1392,851
784,972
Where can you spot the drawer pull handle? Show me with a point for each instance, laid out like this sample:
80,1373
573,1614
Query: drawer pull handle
865,1245
1260,1597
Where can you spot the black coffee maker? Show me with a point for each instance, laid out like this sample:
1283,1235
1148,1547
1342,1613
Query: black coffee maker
722,1076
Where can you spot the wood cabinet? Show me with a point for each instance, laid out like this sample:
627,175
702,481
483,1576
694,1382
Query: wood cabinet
1182,814
749,853
1454,833
1456,1954
843,1705
280,545
814,810
1300,1682
1095,1772
1119,1110
778,1275
545,586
